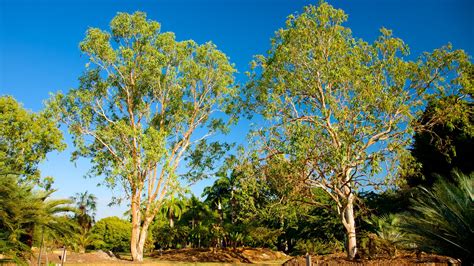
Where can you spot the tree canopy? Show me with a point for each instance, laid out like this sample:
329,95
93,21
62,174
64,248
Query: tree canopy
25,139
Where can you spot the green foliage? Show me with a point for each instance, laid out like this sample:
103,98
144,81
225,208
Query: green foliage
441,219
317,246
172,209
387,228
112,233
448,145
272,210
264,237
86,205
165,236
25,139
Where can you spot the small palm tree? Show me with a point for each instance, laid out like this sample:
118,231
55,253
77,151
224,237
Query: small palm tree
86,205
442,218
52,215
388,235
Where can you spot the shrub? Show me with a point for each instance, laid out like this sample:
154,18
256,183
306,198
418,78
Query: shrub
112,233
317,246
264,237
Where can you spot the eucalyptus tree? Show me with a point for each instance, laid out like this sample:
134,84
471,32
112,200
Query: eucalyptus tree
343,110
145,102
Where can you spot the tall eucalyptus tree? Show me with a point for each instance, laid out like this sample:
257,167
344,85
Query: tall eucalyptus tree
339,108
145,102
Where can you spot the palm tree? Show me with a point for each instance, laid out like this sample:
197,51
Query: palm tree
173,208
222,194
199,215
24,210
197,211
219,192
86,205
442,218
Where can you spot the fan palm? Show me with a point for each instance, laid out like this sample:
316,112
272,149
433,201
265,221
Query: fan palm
442,218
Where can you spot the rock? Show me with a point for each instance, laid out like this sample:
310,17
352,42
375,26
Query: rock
105,255
111,254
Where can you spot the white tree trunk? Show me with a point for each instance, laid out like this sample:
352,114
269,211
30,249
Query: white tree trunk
143,236
349,224
348,217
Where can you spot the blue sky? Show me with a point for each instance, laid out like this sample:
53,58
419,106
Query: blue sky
39,46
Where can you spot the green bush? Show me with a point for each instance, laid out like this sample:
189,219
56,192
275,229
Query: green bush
112,233
264,237
317,246
166,237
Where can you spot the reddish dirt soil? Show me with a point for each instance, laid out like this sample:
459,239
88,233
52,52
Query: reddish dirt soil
259,256
403,259
78,258
238,255
227,256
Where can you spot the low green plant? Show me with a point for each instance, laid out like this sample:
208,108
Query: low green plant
385,236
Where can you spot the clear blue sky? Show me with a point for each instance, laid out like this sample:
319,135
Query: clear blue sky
39,46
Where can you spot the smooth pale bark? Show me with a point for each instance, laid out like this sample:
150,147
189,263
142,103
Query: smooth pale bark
135,228
348,216
350,230
143,236
139,231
